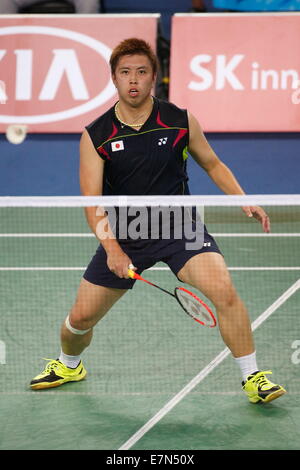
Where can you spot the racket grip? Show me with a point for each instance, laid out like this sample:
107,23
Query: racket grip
131,273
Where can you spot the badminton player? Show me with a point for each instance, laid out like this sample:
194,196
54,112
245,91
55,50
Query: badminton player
138,147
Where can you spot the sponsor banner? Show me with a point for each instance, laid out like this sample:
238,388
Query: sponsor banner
258,5
54,69
238,72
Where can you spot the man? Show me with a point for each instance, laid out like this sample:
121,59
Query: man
119,154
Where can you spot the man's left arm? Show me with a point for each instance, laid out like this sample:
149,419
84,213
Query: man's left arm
220,174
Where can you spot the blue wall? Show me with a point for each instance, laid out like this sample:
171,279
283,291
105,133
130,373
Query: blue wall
166,9
47,164
44,164
264,163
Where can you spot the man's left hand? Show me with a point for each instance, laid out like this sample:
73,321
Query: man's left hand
260,215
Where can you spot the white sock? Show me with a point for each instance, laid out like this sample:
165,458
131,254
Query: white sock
69,361
247,365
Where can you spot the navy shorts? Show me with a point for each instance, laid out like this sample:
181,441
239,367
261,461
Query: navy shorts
145,254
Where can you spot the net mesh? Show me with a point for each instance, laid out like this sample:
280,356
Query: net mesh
145,344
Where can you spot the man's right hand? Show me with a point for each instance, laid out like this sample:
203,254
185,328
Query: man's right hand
118,262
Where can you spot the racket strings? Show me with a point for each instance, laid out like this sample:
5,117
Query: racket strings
194,307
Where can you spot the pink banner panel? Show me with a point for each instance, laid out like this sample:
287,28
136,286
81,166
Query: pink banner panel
54,69
238,72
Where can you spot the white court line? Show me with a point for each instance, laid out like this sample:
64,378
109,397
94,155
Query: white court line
154,268
241,268
46,235
264,268
118,394
91,235
204,372
267,235
42,268
82,268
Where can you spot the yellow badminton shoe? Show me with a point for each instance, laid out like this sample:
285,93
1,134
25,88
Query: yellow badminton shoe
260,389
56,374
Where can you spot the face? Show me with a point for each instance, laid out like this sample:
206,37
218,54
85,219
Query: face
134,79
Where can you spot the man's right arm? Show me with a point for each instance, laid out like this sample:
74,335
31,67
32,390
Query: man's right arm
91,184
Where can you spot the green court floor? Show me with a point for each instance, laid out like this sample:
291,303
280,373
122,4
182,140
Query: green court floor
146,350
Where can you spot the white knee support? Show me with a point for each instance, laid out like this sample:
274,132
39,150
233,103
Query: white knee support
73,330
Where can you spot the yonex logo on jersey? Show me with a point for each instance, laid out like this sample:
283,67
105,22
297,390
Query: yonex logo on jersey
119,145
163,141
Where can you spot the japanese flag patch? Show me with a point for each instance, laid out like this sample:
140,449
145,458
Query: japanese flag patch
118,145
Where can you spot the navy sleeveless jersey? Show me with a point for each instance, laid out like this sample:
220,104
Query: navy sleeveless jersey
150,161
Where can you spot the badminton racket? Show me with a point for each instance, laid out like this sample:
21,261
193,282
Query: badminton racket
189,302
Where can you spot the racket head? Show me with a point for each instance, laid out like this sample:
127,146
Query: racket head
195,307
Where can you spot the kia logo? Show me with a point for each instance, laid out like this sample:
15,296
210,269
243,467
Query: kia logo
63,71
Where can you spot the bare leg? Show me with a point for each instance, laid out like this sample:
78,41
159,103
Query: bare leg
92,303
208,273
